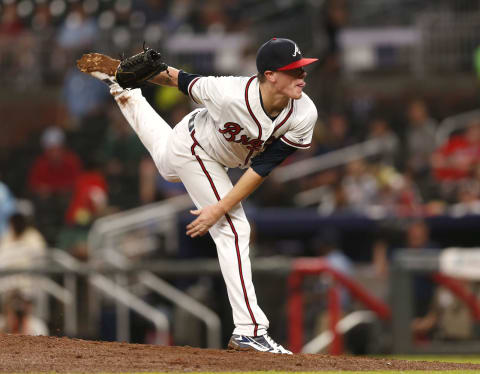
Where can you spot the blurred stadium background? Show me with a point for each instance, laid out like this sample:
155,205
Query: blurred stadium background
350,237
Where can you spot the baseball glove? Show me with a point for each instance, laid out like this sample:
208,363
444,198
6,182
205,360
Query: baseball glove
136,70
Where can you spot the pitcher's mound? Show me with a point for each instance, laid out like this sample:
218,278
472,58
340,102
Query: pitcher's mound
20,354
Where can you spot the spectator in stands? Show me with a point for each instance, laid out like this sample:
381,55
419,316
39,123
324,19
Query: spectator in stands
360,186
51,181
389,144
89,198
89,201
397,195
456,159
468,199
10,22
420,138
17,48
84,97
337,134
333,198
42,18
211,17
448,317
78,30
416,236
326,245
155,11
331,93
57,168
21,233
7,207
335,19
23,246
18,317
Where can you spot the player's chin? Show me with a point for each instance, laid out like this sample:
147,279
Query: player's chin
297,93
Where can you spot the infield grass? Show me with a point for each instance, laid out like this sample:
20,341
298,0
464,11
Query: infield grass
444,358
333,372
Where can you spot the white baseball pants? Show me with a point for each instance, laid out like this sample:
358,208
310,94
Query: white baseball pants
179,157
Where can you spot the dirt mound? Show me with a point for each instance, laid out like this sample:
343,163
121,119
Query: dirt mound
22,354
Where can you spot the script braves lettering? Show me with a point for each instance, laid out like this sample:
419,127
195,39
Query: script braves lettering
231,130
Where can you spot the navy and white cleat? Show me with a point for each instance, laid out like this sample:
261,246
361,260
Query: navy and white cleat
263,343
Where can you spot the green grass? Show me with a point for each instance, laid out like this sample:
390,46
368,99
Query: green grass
335,372
445,358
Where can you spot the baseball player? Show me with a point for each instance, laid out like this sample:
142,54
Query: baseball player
247,122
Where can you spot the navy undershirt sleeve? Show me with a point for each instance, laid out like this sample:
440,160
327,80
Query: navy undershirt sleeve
274,155
184,80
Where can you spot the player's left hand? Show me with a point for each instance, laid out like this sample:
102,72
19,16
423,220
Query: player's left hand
207,217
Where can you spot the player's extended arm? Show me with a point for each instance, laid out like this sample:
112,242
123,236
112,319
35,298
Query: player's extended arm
168,77
262,165
209,215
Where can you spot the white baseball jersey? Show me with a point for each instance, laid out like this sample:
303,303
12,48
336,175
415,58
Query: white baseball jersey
231,130
234,128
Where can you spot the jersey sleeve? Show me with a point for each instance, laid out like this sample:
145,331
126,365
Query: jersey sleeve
211,92
274,155
184,80
300,135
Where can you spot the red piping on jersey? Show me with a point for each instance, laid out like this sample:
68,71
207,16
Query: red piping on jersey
295,144
284,120
195,143
253,116
232,227
190,89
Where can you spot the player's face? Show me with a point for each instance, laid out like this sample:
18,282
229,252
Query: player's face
291,82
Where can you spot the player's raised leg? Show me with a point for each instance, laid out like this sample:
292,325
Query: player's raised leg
152,130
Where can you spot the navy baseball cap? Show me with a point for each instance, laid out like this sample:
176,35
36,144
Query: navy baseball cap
279,54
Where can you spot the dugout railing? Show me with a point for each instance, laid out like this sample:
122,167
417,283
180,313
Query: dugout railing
59,263
148,280
42,287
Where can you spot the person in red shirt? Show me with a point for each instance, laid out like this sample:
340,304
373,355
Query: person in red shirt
57,168
89,197
51,181
456,159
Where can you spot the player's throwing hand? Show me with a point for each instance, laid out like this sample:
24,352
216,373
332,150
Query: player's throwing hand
207,217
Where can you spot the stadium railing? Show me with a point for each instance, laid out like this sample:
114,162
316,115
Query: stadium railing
149,280
328,160
454,123
106,286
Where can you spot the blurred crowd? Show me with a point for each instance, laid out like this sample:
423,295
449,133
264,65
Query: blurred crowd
86,162
411,173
